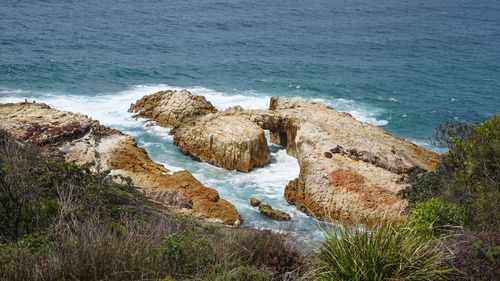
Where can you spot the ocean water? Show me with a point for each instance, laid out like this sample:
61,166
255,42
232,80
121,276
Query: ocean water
405,66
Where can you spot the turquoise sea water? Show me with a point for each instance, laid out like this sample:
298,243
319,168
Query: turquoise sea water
403,65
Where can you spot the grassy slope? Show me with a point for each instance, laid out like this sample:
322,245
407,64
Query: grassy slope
61,222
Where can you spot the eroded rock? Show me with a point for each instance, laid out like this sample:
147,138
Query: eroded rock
171,108
349,170
80,140
227,141
359,182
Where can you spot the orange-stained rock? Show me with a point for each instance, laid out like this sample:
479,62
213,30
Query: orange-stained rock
349,169
79,139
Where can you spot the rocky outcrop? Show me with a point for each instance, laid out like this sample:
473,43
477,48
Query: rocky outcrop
172,108
348,169
269,212
80,140
224,139
219,138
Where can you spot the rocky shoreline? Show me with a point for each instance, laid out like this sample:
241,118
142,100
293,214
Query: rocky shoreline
349,170
80,140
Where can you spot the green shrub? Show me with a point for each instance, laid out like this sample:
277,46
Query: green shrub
471,169
469,174
421,187
449,133
436,217
385,253
490,252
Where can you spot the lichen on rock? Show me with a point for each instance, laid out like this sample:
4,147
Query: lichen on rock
254,202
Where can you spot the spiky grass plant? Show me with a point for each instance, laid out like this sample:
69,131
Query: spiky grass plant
387,252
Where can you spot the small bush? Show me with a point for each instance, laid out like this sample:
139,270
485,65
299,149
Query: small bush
385,253
421,187
449,133
436,217
471,170
490,252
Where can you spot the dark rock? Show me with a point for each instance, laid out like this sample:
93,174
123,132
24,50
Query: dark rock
328,154
337,149
355,153
268,211
254,202
194,158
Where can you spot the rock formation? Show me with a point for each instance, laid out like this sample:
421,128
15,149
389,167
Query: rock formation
269,212
171,108
348,169
255,202
79,139
220,138
225,140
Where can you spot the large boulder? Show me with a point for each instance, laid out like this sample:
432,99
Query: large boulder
80,140
171,108
224,139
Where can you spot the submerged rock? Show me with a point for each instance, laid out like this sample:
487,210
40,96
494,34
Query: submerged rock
80,140
268,211
254,202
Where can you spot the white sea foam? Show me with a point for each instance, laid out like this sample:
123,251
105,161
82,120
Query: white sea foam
111,108
359,111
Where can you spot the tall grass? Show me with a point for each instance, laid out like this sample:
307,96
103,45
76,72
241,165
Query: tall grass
387,252
151,249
